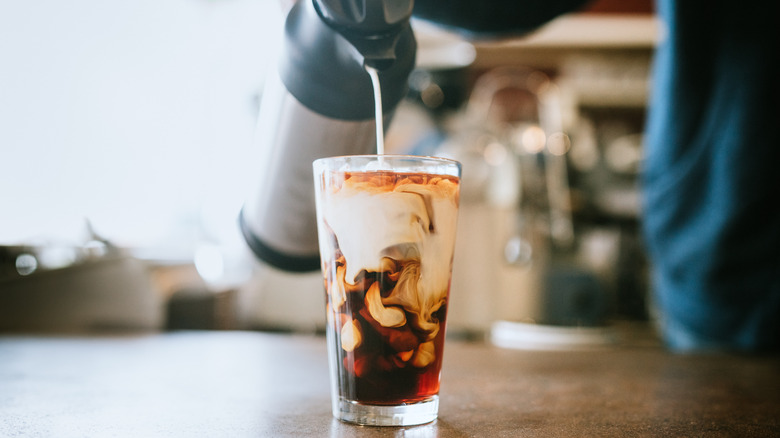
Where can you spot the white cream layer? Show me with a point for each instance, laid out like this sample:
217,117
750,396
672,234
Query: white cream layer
413,221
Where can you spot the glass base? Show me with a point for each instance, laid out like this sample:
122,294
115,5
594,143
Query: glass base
380,415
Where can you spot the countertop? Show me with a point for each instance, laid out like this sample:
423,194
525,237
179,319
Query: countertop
236,384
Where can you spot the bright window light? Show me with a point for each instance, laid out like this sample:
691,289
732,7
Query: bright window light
135,115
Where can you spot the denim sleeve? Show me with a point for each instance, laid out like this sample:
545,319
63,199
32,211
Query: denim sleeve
493,18
711,181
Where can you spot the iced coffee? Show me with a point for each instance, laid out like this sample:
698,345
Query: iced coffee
386,231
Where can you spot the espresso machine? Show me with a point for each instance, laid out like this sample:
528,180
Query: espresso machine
320,102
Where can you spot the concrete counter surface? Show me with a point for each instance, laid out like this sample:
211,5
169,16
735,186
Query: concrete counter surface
236,384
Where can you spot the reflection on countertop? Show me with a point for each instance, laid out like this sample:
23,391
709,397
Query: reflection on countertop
239,383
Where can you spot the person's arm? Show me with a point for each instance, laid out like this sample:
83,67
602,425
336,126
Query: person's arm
493,18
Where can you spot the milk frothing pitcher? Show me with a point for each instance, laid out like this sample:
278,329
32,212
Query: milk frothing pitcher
319,102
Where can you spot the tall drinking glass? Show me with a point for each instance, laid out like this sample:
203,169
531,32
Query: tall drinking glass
387,234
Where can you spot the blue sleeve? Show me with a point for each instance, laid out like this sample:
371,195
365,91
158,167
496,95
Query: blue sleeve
494,18
711,180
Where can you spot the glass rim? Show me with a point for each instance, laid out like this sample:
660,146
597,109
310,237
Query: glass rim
442,160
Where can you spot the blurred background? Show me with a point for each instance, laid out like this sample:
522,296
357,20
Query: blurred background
126,153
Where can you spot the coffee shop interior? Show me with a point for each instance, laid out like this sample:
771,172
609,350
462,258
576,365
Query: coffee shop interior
127,152
128,157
